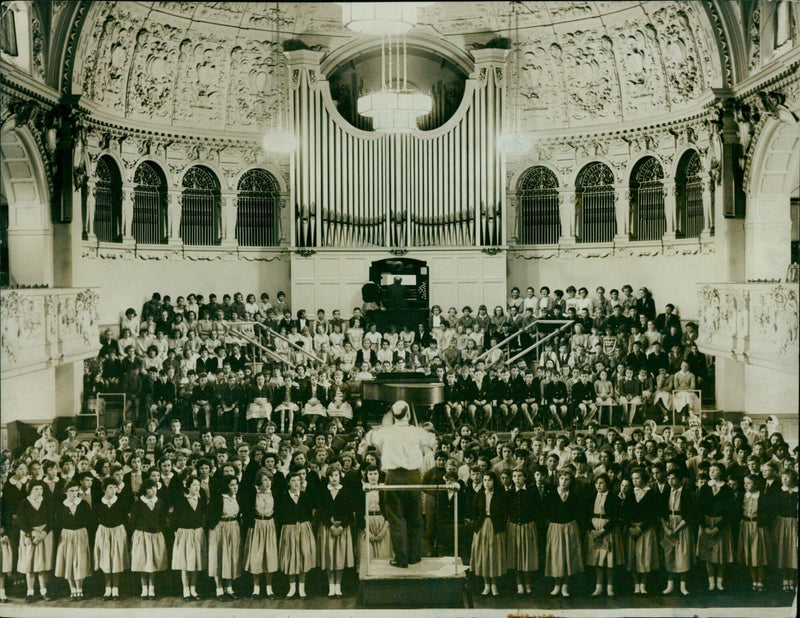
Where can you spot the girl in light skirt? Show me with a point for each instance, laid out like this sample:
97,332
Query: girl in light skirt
73,558
715,505
148,547
785,530
334,514
563,551
35,523
641,515
380,542
521,533
111,554
224,538
603,543
189,548
261,542
488,556
297,550
752,548
678,543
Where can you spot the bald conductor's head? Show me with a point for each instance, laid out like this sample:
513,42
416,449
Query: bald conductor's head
400,410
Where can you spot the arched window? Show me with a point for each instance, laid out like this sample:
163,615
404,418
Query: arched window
200,209
539,223
595,204
108,201
149,205
689,196
647,200
258,209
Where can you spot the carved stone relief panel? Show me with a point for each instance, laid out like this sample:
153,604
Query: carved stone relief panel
640,71
679,54
106,79
201,86
257,84
540,83
590,75
153,71
37,47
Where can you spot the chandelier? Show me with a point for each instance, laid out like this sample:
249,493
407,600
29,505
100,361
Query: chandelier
512,140
395,107
280,137
390,18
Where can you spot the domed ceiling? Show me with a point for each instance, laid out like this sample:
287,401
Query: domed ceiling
211,64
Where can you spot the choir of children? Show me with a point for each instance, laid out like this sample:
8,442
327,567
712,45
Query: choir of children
534,503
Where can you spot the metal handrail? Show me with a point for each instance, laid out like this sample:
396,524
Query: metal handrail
251,341
507,339
541,341
437,487
311,355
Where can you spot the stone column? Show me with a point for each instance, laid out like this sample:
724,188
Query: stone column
127,215
670,208
708,206
622,212
228,220
566,213
513,218
174,201
88,224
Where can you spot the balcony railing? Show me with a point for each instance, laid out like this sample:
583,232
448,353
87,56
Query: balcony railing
755,323
40,328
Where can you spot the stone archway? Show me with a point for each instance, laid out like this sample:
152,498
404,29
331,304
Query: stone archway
30,231
773,174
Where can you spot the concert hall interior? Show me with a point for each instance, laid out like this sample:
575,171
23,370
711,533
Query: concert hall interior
566,233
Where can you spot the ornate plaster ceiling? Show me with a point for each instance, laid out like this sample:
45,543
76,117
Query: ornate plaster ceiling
209,64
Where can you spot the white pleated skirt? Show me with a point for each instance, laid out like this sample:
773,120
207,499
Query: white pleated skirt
148,552
73,558
190,550
225,550
522,546
563,552
297,550
261,547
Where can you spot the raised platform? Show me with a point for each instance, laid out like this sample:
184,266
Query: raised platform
433,582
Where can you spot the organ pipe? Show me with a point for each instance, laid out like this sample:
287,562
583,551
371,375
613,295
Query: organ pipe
356,188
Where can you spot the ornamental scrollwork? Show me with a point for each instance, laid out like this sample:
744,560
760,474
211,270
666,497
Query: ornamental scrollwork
22,319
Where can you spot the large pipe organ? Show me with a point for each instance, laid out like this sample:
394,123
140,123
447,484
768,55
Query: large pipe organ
353,188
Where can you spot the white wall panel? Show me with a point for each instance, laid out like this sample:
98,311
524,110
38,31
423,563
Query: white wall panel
333,279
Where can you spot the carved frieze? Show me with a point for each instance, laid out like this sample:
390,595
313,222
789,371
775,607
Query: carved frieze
751,322
23,316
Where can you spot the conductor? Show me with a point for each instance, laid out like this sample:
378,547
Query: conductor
401,446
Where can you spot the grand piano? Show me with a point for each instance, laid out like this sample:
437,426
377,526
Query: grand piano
416,389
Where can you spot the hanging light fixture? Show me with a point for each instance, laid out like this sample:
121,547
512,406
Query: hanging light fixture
512,141
280,137
395,107
390,18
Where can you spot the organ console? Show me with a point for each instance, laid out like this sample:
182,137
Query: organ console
403,285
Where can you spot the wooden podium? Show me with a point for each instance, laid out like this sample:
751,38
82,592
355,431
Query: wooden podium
433,582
